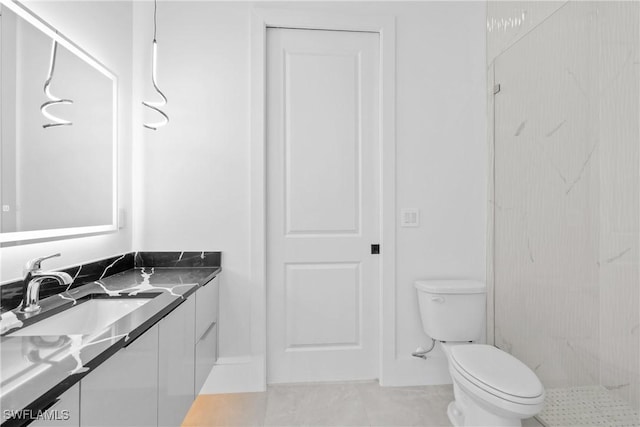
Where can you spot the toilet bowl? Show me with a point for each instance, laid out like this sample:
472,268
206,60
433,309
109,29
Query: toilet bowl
491,387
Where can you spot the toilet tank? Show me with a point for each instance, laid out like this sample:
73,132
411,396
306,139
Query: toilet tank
452,310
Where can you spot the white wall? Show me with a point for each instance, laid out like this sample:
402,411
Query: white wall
192,177
104,30
193,192
441,162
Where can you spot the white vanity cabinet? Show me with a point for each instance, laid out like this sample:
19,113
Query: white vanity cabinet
176,363
65,412
206,348
153,380
123,391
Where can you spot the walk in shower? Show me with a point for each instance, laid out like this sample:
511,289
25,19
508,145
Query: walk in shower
564,202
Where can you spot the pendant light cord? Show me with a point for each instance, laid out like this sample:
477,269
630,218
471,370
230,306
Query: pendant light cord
155,18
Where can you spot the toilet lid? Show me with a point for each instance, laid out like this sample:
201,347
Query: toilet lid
495,369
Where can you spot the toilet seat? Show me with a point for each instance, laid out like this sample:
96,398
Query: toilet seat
497,373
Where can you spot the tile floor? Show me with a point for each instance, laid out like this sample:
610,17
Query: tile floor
326,404
587,406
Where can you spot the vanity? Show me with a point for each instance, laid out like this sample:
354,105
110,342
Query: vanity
131,348
127,340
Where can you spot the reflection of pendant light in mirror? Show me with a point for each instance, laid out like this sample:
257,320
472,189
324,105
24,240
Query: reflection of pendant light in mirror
155,106
53,100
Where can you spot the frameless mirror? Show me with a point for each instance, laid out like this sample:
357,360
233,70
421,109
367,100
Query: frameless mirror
58,133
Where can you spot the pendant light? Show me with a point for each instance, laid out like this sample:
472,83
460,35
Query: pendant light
53,100
155,106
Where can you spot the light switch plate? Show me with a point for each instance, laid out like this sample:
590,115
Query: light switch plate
410,218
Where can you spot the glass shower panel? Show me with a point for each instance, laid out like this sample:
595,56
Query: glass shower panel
619,124
566,189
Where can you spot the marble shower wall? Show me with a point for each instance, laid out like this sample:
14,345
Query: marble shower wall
566,190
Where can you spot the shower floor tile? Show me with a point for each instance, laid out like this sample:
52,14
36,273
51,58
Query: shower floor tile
587,406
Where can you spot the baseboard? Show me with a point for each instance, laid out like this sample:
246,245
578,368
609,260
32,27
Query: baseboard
412,371
236,360
243,374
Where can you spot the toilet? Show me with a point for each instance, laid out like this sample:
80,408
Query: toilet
490,386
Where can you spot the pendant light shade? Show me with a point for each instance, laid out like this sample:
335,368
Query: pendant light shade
156,105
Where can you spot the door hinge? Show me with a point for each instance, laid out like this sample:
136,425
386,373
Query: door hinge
496,88
375,249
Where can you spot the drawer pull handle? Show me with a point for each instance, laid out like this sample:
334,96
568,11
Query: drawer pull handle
206,332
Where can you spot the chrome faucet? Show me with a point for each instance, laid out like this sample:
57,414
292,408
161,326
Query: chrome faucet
33,278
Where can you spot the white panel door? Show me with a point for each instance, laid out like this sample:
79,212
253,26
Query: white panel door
322,205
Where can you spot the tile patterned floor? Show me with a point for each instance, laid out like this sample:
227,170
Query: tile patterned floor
587,406
326,404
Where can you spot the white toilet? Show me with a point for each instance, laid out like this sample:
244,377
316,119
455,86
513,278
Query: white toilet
491,387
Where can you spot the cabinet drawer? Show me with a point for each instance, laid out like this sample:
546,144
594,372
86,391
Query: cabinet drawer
206,355
207,306
175,359
123,391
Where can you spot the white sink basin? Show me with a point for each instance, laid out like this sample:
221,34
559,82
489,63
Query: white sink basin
84,318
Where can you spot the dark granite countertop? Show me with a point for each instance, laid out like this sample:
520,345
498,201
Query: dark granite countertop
35,370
